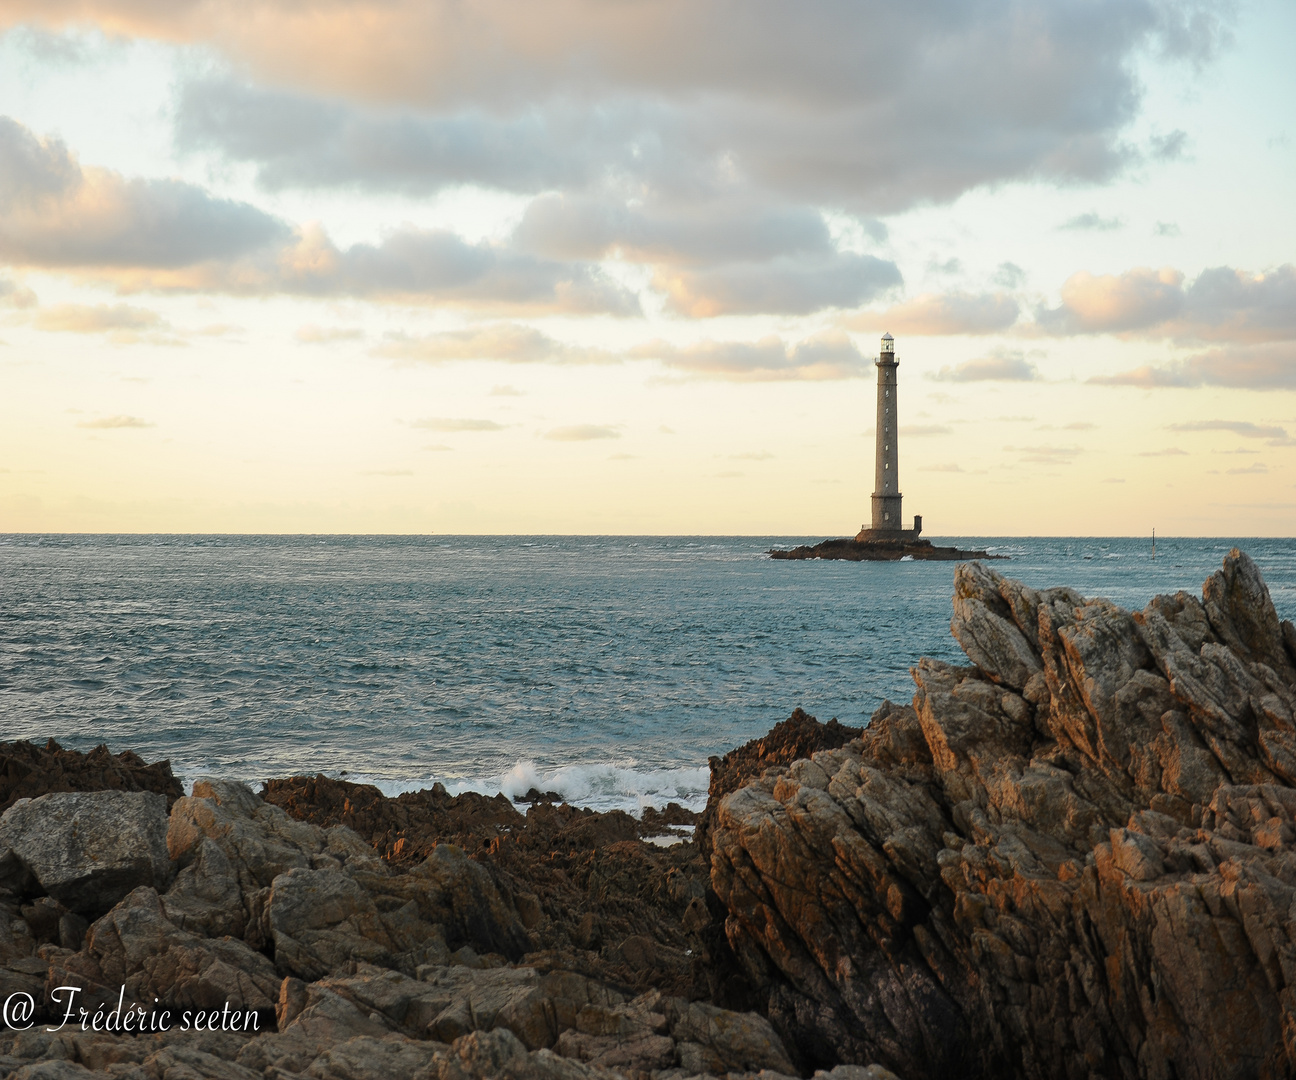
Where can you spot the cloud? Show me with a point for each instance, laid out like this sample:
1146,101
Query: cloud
933,314
655,135
1254,467
505,391
446,423
1221,304
96,319
1247,367
1009,275
435,264
1245,428
409,265
169,235
693,227
509,342
1134,300
831,355
54,213
1170,451
112,422
326,335
299,141
786,286
800,101
1092,222
1224,304
16,296
998,366
1169,147
1047,455
1166,228
582,433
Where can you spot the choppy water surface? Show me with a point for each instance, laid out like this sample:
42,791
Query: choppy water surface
608,668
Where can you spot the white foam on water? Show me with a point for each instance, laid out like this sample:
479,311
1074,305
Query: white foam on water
597,787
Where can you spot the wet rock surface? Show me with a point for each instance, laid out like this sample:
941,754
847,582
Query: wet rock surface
1073,857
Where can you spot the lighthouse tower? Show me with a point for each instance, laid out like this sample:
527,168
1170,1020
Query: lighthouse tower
886,461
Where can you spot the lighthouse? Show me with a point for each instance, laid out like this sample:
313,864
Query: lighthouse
886,455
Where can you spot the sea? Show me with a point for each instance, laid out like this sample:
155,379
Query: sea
605,668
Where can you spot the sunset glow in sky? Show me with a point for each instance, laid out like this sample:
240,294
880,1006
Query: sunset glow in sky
615,266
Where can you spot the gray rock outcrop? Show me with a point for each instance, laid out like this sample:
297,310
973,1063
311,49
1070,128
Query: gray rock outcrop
89,849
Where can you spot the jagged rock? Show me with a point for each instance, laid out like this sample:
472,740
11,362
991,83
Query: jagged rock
1074,859
319,920
232,846
799,736
452,891
535,1008
260,840
89,849
856,1072
717,1041
367,1058
488,1055
137,948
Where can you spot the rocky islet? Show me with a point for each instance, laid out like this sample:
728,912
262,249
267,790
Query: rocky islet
878,550
1072,857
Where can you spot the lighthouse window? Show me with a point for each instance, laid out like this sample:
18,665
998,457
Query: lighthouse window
886,465
886,517
886,393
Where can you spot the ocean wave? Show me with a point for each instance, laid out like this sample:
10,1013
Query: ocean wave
597,787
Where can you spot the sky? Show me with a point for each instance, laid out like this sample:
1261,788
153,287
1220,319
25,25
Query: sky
621,267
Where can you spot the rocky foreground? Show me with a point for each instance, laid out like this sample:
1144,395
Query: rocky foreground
1073,857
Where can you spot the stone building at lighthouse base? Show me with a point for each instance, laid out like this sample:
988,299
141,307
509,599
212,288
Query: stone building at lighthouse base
867,535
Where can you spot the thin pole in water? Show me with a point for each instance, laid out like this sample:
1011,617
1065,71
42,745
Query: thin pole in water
1154,543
